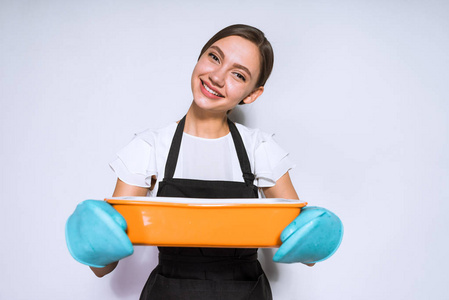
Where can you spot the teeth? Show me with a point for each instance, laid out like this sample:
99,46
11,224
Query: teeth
211,91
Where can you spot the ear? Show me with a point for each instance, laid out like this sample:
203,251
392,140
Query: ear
253,95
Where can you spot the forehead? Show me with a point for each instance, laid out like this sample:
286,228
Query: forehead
241,51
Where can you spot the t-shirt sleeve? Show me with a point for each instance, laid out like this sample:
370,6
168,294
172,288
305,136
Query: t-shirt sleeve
271,161
135,164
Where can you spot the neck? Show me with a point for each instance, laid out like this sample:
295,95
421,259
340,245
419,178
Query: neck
204,124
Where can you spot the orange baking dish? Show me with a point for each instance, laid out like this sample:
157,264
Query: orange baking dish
187,222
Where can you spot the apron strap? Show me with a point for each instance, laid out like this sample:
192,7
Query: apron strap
173,154
248,176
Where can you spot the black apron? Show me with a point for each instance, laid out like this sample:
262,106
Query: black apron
207,273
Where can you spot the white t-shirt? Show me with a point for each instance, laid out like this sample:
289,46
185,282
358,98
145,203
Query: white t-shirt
200,158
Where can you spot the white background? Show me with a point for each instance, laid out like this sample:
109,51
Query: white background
358,96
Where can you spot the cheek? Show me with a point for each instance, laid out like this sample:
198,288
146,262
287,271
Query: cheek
236,90
197,71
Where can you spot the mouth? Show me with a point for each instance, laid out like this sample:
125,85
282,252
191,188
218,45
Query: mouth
210,90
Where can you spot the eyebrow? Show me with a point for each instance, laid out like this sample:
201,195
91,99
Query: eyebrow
235,65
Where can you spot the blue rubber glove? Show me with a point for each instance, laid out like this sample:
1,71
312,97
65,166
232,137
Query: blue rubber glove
95,234
312,237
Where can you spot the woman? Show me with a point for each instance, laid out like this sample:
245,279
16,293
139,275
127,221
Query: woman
175,162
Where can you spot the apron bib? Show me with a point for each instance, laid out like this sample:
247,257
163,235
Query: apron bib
207,273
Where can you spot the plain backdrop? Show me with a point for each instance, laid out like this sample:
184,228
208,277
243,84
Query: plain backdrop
358,96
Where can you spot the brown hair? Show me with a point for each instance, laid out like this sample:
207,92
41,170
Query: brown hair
257,37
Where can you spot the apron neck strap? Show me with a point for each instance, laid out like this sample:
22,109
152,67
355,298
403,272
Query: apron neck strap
248,176
173,154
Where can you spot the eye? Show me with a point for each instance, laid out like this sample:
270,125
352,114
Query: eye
240,76
214,57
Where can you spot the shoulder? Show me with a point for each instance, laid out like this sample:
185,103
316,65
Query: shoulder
270,161
253,137
158,135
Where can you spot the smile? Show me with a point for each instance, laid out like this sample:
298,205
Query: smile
211,90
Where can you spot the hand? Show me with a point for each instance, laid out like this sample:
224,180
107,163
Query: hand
95,234
313,236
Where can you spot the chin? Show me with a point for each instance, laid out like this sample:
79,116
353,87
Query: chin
207,105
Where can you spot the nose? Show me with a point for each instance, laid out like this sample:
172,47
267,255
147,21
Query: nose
217,77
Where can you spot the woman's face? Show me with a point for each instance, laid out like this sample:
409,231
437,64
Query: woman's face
226,74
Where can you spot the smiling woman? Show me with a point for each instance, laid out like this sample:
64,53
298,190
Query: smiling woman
226,75
258,38
205,155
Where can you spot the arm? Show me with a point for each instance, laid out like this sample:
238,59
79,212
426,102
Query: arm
122,189
283,189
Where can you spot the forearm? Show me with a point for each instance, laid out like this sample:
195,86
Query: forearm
283,189
121,189
100,272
